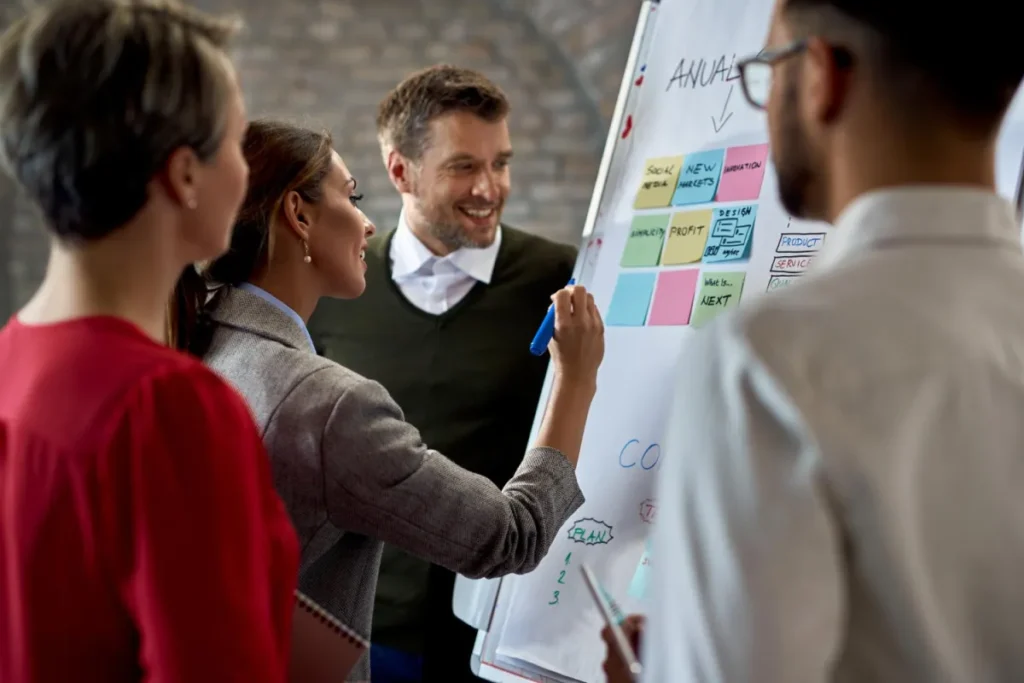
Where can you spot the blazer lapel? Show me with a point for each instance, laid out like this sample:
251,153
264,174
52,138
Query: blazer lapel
245,311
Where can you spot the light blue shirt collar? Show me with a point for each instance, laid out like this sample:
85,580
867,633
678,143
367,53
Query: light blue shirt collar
281,306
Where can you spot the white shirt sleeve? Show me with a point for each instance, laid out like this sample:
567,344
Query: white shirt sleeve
746,561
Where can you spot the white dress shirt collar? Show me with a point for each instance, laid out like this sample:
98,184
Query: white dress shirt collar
410,256
920,214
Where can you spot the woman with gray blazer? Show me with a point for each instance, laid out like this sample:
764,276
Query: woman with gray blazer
353,474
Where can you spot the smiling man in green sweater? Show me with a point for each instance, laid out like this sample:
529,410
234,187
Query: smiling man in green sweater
453,298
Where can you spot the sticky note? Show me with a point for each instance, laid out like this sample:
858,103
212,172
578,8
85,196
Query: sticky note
630,300
643,246
673,297
742,173
687,233
698,178
718,292
638,586
732,230
659,182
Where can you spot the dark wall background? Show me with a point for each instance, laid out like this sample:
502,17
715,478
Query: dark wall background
328,63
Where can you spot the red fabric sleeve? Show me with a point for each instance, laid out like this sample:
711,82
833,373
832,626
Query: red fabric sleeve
207,586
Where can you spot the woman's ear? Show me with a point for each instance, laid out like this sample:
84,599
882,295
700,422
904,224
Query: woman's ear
297,215
179,176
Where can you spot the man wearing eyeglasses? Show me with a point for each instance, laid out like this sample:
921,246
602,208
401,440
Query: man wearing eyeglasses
842,501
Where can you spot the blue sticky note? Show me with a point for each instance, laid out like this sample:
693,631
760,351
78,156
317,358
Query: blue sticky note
638,586
698,178
631,299
732,231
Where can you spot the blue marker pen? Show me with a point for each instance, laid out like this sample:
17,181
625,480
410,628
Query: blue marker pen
547,329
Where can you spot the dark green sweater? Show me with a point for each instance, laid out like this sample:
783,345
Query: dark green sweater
467,380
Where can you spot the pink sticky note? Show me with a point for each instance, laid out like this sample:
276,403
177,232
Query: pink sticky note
673,297
742,173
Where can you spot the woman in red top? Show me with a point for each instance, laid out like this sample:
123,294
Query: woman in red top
140,535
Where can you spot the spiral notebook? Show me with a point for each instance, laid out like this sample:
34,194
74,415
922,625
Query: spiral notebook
324,650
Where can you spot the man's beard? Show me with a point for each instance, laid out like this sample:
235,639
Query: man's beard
792,157
453,235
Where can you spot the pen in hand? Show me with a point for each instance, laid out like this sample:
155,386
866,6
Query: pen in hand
546,330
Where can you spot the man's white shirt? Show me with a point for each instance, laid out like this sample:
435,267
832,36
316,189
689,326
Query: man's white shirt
843,497
435,284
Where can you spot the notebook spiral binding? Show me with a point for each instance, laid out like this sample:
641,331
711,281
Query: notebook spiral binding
341,629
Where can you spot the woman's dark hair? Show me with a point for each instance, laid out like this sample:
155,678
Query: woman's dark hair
282,158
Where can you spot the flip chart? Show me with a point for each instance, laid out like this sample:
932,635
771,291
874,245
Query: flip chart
669,264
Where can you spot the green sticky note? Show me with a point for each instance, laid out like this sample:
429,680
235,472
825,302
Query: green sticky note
646,235
718,292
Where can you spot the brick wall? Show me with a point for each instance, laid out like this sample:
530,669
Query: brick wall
328,63
594,36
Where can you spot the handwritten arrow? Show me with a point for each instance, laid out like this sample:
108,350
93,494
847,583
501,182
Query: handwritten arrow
720,122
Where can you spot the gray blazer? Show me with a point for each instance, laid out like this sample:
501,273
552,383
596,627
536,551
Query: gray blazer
353,474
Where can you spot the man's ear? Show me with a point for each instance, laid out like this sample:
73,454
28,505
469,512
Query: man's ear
401,171
826,82
296,215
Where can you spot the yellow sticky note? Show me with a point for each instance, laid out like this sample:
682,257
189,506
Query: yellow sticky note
659,182
687,233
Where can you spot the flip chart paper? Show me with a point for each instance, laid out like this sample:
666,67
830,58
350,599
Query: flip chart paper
690,105
638,586
781,281
800,242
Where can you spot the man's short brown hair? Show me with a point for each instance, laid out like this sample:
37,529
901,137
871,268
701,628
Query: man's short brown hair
404,116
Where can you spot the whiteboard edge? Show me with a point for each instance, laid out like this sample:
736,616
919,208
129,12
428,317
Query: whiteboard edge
467,595
625,87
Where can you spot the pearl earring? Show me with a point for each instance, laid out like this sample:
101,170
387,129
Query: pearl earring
191,203
307,258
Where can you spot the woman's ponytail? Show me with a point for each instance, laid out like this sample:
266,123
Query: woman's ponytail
191,325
